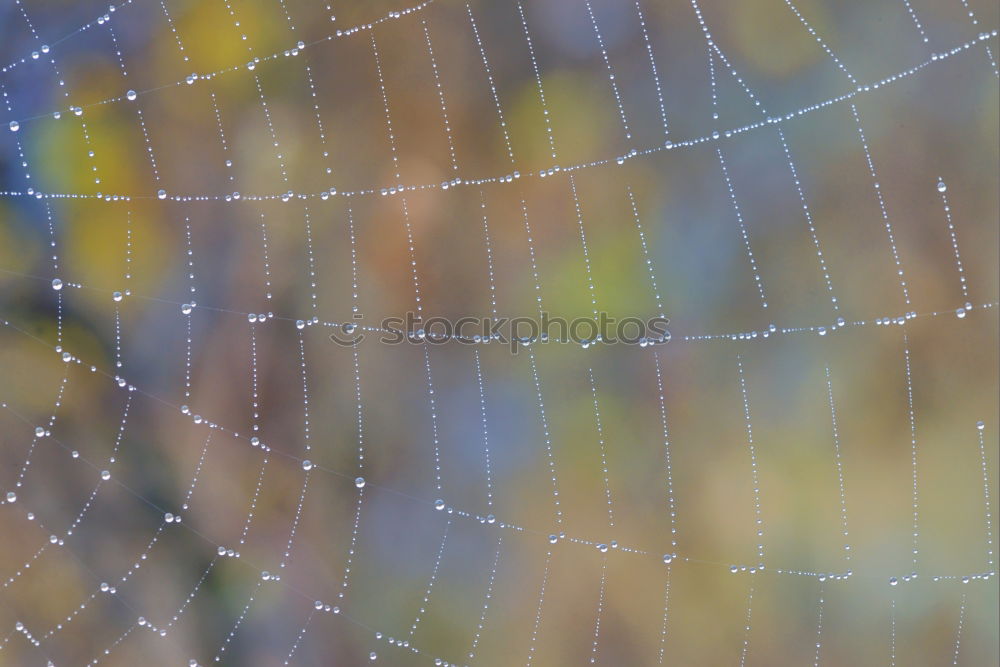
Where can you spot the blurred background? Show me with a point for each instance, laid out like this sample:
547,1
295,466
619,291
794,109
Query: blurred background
227,103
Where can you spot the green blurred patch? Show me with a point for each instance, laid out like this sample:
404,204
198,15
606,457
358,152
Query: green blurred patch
63,149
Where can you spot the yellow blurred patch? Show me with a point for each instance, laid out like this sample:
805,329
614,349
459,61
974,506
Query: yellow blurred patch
94,240
213,42
579,129
771,39
16,253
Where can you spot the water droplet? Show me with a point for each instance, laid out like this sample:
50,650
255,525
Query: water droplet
439,504
186,308
116,296
131,95
161,194
14,126
980,425
941,186
553,539
105,475
668,558
39,432
11,497
359,482
960,313
893,581
168,517
372,655
307,465
56,284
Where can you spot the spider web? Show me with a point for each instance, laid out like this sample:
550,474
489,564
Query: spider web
196,195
